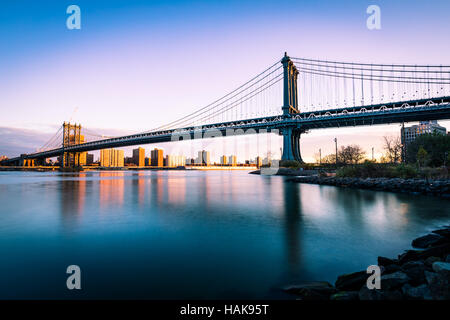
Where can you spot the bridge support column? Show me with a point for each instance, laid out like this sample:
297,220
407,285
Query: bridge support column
290,92
71,136
291,144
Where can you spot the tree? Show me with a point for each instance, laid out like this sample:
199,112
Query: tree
352,154
422,155
329,159
436,145
392,149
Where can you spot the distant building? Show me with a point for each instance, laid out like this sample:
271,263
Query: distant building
223,160
157,157
232,160
139,157
129,161
409,134
89,159
147,161
111,158
204,157
258,162
175,161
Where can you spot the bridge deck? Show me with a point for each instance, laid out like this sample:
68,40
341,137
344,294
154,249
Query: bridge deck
404,111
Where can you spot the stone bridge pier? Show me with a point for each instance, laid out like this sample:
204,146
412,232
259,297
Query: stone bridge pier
291,143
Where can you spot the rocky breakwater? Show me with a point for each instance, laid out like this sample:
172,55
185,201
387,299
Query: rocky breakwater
440,188
422,274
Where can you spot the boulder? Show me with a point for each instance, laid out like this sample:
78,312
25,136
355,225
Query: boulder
374,294
439,285
442,268
316,290
415,270
352,281
430,260
438,251
429,240
443,232
345,296
391,268
393,280
383,261
421,292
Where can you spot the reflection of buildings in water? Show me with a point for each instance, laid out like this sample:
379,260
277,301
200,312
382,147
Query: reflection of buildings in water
157,188
111,189
141,188
205,189
138,182
73,197
389,210
176,188
353,205
81,193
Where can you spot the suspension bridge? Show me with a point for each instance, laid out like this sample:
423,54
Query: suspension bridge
290,98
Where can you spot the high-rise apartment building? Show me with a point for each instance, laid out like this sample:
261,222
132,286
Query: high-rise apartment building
224,160
111,158
232,160
157,157
89,159
139,157
410,133
258,162
175,161
204,157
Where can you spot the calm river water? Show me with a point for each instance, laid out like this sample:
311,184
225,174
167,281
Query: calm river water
192,234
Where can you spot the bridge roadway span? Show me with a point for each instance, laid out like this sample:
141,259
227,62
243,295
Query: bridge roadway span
405,111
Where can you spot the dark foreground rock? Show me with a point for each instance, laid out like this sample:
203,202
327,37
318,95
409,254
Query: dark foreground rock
428,241
414,275
352,281
440,188
319,290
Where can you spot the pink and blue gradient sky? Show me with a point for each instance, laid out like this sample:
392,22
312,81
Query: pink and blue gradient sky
135,65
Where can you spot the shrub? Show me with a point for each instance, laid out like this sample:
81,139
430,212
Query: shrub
405,171
290,164
350,172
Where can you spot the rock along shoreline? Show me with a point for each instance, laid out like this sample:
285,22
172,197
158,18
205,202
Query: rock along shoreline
440,188
422,274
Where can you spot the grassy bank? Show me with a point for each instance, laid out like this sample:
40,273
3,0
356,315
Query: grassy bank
405,171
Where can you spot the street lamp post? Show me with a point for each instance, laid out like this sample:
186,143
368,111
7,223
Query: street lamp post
335,142
320,157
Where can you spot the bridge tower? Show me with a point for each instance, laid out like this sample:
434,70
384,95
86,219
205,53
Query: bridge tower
71,136
291,132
